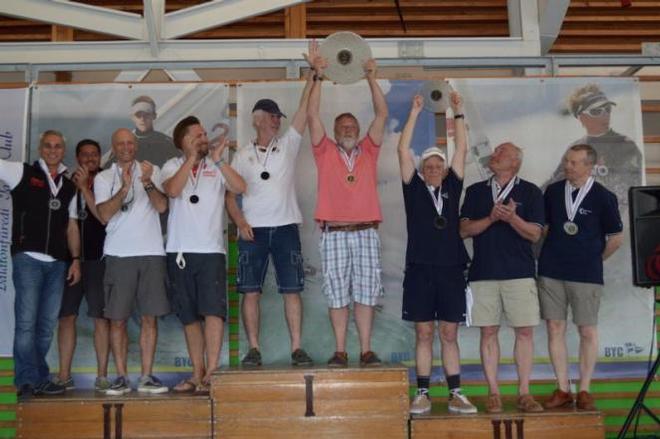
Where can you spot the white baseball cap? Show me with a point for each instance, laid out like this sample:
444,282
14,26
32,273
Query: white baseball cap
432,151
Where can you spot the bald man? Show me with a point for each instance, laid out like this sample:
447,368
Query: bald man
129,199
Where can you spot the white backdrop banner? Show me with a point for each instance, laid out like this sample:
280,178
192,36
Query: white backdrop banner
13,125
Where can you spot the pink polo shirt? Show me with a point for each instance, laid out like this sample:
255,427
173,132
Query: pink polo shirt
338,199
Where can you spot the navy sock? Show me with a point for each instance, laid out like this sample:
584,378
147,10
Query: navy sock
454,382
423,382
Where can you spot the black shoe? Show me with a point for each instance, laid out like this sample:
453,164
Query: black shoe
48,388
300,358
253,358
24,390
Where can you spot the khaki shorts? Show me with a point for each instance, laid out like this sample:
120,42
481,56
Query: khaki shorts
518,298
584,299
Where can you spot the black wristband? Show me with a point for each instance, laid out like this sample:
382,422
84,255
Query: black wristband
149,187
317,77
459,116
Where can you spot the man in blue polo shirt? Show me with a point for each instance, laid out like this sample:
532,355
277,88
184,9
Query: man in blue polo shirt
504,216
583,229
434,284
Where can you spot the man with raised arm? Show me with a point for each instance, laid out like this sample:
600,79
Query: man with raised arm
434,282
128,200
196,264
44,236
92,237
583,229
348,211
504,216
268,222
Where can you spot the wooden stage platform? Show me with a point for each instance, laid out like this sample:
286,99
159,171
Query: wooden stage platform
287,403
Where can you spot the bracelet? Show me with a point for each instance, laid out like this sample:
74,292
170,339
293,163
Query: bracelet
459,116
149,187
317,77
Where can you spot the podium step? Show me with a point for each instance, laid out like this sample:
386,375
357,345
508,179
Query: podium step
86,415
550,424
309,403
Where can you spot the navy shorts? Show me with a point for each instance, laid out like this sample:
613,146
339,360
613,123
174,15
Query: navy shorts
432,292
199,289
283,244
90,286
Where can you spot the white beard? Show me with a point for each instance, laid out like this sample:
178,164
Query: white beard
348,142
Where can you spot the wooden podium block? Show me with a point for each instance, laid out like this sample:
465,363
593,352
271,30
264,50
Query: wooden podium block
82,414
310,403
564,424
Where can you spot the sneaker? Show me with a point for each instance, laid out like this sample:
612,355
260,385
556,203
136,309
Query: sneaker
151,384
338,359
102,384
24,390
68,383
494,404
300,358
559,399
119,387
458,403
252,358
48,388
369,359
421,404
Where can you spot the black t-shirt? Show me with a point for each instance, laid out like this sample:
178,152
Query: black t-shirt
578,258
92,232
426,243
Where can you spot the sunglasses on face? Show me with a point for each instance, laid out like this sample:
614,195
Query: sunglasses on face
599,111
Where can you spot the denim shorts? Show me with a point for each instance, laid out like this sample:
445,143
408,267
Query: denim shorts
283,244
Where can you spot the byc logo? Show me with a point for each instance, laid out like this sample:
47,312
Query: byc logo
625,350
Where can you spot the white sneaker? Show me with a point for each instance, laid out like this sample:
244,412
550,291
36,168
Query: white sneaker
458,403
421,404
151,384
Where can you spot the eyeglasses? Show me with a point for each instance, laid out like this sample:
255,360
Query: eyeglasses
599,111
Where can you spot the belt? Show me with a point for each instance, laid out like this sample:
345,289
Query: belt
350,227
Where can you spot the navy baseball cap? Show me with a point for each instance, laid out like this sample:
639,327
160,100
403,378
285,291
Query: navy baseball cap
269,106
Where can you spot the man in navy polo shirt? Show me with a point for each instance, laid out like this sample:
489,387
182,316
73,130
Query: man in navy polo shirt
434,284
504,216
584,228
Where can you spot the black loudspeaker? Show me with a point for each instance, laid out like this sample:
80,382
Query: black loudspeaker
644,202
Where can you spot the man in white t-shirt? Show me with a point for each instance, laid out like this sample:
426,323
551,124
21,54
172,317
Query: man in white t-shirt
129,202
268,224
195,184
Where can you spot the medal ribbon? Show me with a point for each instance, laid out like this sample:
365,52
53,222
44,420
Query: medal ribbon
118,172
500,194
54,188
269,149
349,160
573,206
195,176
438,202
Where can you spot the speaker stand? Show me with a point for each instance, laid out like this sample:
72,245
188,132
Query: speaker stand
638,406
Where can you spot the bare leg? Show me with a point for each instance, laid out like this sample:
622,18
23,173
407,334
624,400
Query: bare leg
293,313
523,352
250,312
119,345
213,333
450,352
490,356
339,320
424,332
558,352
588,354
148,340
66,345
195,344
102,345
364,318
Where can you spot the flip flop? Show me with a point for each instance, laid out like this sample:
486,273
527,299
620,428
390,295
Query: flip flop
203,388
185,386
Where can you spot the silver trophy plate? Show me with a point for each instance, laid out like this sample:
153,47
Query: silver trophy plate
346,53
436,96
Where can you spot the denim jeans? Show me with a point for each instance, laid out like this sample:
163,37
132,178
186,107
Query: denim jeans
39,287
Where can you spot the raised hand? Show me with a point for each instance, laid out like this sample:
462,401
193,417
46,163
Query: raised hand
370,68
147,171
81,178
219,146
456,102
314,57
417,104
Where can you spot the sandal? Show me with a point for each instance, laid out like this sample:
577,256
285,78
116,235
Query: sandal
203,388
185,386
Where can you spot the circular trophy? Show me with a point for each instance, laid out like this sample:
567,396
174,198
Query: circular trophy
436,96
346,53
571,228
